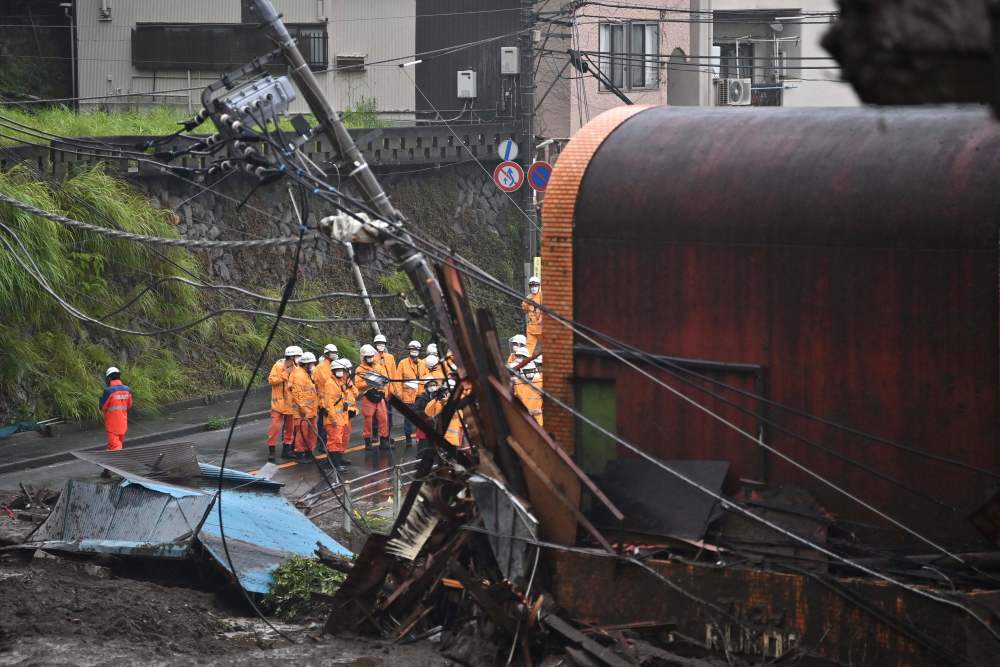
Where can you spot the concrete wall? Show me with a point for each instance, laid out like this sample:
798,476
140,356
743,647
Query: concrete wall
379,30
811,87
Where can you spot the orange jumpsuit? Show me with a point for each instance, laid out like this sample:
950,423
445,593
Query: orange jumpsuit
115,404
281,406
305,404
335,401
350,403
532,399
533,317
454,433
368,407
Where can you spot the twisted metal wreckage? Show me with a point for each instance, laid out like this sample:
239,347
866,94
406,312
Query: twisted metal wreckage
505,533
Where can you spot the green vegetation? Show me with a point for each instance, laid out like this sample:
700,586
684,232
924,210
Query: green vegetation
51,364
216,423
155,121
396,283
294,582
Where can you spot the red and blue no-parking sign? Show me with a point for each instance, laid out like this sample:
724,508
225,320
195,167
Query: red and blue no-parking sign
538,175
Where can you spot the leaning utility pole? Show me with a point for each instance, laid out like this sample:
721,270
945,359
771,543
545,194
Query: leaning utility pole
527,101
353,164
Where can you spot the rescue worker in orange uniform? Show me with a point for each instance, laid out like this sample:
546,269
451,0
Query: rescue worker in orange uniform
431,384
454,433
410,370
516,341
321,375
526,388
533,314
372,380
305,405
350,398
115,404
335,398
281,405
389,361
434,367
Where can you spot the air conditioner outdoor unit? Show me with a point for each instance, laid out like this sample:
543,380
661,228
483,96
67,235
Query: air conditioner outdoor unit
734,92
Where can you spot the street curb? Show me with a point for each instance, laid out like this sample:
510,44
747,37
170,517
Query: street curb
190,429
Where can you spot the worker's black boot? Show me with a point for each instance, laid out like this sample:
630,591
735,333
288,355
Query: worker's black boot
286,452
338,461
320,448
409,441
270,454
368,444
387,443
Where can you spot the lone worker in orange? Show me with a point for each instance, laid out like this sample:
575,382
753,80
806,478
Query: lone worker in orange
115,404
282,422
305,405
532,314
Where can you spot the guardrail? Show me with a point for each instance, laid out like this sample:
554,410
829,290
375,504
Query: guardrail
391,480
382,148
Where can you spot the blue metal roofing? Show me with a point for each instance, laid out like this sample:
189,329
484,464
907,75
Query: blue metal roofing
262,530
126,519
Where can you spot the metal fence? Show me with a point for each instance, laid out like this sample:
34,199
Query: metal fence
391,481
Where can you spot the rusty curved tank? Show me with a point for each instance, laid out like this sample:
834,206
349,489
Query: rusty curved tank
843,262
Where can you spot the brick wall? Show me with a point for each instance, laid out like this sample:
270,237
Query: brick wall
557,264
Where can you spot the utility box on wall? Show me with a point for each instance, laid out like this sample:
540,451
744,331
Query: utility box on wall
510,60
466,84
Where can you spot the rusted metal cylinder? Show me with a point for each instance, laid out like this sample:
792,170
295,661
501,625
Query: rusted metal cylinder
850,254
902,177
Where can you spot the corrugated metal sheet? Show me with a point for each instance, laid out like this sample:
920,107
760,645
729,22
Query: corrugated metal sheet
127,519
262,530
211,473
172,461
850,253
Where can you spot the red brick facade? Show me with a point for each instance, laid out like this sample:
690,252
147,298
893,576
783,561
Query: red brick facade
557,264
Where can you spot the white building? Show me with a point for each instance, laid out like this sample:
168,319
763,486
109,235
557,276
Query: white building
774,43
128,46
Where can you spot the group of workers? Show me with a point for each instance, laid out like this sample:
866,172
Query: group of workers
314,400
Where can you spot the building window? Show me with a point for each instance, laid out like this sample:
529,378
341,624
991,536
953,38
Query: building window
629,54
736,61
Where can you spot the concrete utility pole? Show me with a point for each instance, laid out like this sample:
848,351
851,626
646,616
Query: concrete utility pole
527,100
352,162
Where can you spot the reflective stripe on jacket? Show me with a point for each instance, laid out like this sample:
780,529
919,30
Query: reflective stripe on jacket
115,403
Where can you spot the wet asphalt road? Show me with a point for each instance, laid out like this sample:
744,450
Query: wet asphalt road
247,452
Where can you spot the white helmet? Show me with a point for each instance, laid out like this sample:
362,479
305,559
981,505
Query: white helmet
518,339
345,362
379,339
432,349
534,280
538,360
431,361
521,351
414,344
530,366
293,351
330,348
307,358
367,351
111,369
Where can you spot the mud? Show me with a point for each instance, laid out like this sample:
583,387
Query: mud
56,611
